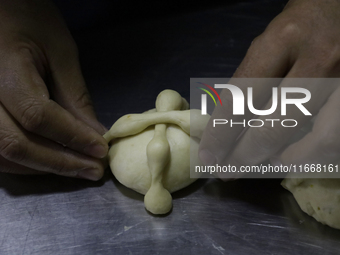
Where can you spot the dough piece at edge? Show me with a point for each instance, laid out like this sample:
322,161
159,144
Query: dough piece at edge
319,198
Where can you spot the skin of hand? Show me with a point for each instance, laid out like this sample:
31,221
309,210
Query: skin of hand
46,117
301,42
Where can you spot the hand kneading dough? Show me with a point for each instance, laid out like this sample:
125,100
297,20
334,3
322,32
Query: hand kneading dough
150,152
320,198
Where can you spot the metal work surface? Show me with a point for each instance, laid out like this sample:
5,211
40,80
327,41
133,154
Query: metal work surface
126,64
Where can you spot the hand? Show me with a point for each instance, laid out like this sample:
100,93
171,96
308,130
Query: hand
303,41
47,123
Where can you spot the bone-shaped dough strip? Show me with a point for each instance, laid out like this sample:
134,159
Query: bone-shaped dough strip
158,199
132,124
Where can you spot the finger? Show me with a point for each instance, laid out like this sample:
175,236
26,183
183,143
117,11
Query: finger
260,143
322,144
32,151
9,167
24,95
263,59
69,90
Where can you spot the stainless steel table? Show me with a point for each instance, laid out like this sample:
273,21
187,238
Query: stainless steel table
126,64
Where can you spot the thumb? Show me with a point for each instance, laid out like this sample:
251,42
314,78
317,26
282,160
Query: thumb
217,140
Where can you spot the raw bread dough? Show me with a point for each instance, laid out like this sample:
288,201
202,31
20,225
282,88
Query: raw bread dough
320,198
150,152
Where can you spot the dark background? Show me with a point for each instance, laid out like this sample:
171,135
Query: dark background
132,50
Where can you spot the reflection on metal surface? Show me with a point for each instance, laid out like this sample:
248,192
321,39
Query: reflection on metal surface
54,215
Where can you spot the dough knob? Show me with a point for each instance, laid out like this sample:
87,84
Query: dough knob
158,200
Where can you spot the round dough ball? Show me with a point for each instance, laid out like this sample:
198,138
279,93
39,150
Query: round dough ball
128,160
320,198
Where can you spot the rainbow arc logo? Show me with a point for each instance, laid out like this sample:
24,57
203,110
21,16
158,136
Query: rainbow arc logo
209,93
204,97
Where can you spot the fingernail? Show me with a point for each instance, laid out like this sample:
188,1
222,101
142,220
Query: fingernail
96,150
275,161
69,174
207,158
91,174
101,129
104,129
